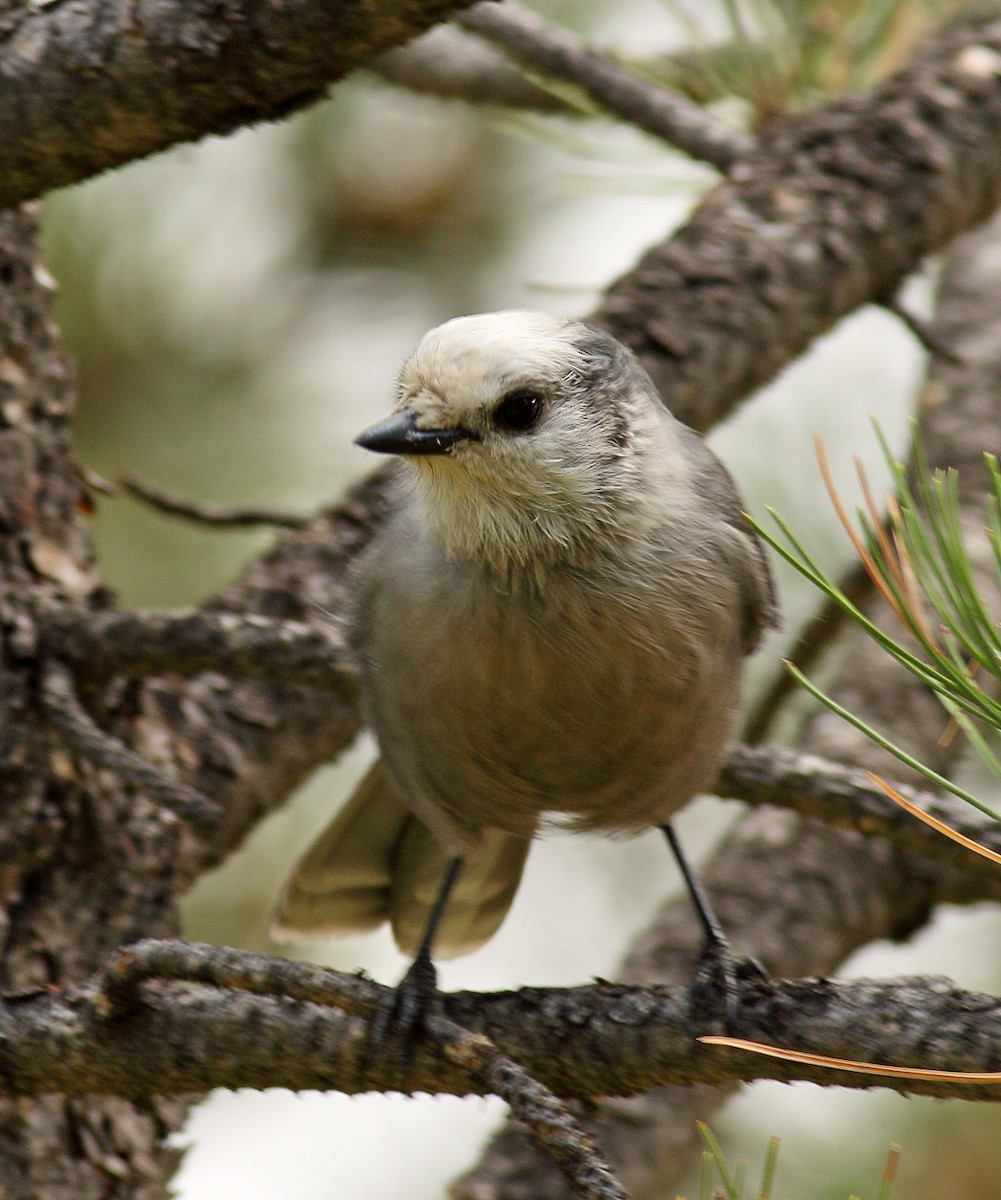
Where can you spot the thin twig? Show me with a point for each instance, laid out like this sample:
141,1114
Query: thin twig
449,64
84,737
130,967
453,65
547,1119
924,331
97,483
206,513
553,51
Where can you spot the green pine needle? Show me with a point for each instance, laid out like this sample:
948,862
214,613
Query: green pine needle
716,1152
920,562
769,1169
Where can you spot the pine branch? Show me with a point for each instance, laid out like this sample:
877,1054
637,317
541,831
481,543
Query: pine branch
453,65
845,797
183,1017
833,210
670,116
102,644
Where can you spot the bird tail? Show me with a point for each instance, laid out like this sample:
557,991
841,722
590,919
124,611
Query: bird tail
377,862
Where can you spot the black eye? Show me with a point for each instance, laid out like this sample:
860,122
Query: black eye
518,411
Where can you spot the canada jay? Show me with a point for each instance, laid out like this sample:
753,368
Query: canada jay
549,627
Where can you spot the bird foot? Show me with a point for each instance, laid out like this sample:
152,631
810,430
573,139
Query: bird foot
721,980
407,1013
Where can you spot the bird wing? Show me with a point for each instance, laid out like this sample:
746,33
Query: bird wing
712,483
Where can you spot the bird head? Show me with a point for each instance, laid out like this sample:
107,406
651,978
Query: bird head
533,439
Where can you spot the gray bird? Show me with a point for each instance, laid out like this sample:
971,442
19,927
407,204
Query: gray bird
550,628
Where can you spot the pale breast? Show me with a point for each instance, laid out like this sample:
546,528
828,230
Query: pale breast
609,707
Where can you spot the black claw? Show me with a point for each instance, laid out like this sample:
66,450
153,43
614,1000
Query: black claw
407,1013
721,979
714,995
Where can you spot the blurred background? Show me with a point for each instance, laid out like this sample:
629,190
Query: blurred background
239,310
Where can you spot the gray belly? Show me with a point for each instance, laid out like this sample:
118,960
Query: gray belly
605,714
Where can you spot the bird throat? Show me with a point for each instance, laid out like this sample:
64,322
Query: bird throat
518,534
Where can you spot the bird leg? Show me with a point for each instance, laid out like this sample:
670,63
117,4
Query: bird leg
720,971
408,1011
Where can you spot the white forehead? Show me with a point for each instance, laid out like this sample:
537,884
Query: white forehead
473,359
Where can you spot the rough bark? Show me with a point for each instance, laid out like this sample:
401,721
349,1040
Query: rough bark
832,211
86,863
85,87
176,1024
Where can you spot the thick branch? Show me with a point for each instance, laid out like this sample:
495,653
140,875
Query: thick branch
85,87
475,1057
188,641
272,1023
833,210
87,862
83,737
844,797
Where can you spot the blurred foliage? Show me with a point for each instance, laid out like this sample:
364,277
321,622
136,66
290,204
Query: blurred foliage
778,56
721,1180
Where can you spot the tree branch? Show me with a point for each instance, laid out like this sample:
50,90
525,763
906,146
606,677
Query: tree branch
844,797
193,1017
554,51
85,87
452,65
473,1056
833,210
205,513
100,645
81,735
448,64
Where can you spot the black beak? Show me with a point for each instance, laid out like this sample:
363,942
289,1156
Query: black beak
399,434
